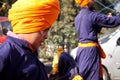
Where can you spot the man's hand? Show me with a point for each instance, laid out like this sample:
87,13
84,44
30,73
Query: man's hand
109,14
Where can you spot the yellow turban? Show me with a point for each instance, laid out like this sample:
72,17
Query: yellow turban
82,3
29,16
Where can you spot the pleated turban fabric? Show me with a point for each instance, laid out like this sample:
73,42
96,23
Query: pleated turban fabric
82,3
29,16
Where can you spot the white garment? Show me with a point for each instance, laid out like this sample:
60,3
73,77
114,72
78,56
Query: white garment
74,52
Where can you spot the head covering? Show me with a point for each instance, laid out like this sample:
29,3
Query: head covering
59,50
82,3
29,16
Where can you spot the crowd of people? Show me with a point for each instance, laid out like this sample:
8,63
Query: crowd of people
31,21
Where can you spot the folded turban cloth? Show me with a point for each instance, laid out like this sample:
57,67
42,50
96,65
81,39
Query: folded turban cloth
29,16
82,3
56,60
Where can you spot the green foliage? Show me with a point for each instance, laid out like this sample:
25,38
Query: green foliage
64,27
4,12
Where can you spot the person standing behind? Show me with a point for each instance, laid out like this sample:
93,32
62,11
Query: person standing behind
54,72
88,24
64,66
31,20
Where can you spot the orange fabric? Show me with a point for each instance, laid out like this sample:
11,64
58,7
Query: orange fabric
29,16
90,44
101,71
56,60
82,3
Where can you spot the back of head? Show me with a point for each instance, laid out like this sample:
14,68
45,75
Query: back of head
29,16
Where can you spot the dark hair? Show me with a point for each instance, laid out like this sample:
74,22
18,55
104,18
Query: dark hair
1,4
5,30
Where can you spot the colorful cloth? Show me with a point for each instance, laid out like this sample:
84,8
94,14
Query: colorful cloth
77,77
92,44
56,60
88,24
29,16
17,62
82,3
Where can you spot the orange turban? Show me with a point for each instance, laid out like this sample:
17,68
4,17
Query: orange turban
82,3
29,16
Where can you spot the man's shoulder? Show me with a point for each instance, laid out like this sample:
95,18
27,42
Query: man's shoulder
5,46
